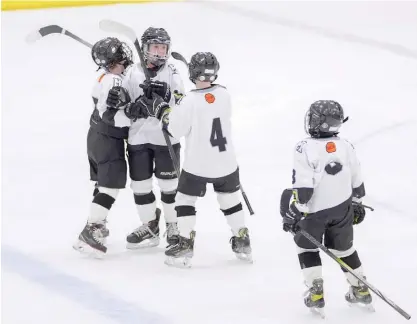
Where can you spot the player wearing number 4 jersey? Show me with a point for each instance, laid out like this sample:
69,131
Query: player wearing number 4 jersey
203,117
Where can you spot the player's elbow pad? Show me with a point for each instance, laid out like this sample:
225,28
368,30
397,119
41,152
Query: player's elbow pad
359,192
285,201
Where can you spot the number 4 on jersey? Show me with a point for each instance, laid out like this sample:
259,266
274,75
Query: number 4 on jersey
216,137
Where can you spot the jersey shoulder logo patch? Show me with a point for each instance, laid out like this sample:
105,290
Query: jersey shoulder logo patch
330,147
299,146
210,98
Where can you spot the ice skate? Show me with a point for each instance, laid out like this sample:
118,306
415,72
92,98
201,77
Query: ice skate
180,254
146,235
91,240
172,233
241,245
314,298
360,296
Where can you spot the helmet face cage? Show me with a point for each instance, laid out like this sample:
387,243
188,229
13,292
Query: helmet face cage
126,55
155,36
154,58
203,67
110,51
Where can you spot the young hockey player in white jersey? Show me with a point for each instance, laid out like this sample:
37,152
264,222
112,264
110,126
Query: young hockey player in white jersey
327,193
105,143
203,117
147,150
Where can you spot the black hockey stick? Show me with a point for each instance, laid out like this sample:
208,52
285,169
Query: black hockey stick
245,198
116,27
352,272
364,206
54,29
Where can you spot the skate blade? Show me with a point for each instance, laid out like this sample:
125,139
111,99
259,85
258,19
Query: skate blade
318,311
143,245
367,307
85,249
247,257
181,262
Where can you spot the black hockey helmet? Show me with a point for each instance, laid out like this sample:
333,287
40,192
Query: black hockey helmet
109,51
203,66
154,35
324,118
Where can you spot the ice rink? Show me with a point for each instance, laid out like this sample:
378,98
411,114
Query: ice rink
276,58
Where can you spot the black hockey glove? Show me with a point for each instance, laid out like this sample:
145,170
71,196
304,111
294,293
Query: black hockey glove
358,213
136,110
291,219
155,107
160,88
118,98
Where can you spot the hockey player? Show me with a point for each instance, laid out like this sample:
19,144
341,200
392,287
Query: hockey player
105,142
327,193
148,154
203,117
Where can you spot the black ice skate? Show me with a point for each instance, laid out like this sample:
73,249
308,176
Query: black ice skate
91,240
360,295
172,233
241,245
181,252
146,235
314,298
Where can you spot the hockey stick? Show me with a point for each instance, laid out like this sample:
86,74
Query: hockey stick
364,206
179,57
116,27
54,29
352,272
245,198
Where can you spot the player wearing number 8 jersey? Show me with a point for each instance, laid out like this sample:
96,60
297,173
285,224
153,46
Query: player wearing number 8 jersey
203,117
328,189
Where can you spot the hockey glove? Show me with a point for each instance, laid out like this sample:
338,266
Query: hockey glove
118,98
160,88
291,219
358,213
155,107
136,110
178,96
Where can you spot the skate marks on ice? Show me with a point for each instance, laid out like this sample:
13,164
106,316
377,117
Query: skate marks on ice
392,48
86,294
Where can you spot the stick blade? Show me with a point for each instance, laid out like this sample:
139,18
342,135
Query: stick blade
33,37
44,31
179,57
112,26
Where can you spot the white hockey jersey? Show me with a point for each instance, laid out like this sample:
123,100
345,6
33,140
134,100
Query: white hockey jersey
149,130
204,118
330,167
107,120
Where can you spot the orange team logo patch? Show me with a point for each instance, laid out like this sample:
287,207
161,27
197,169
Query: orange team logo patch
209,98
330,147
